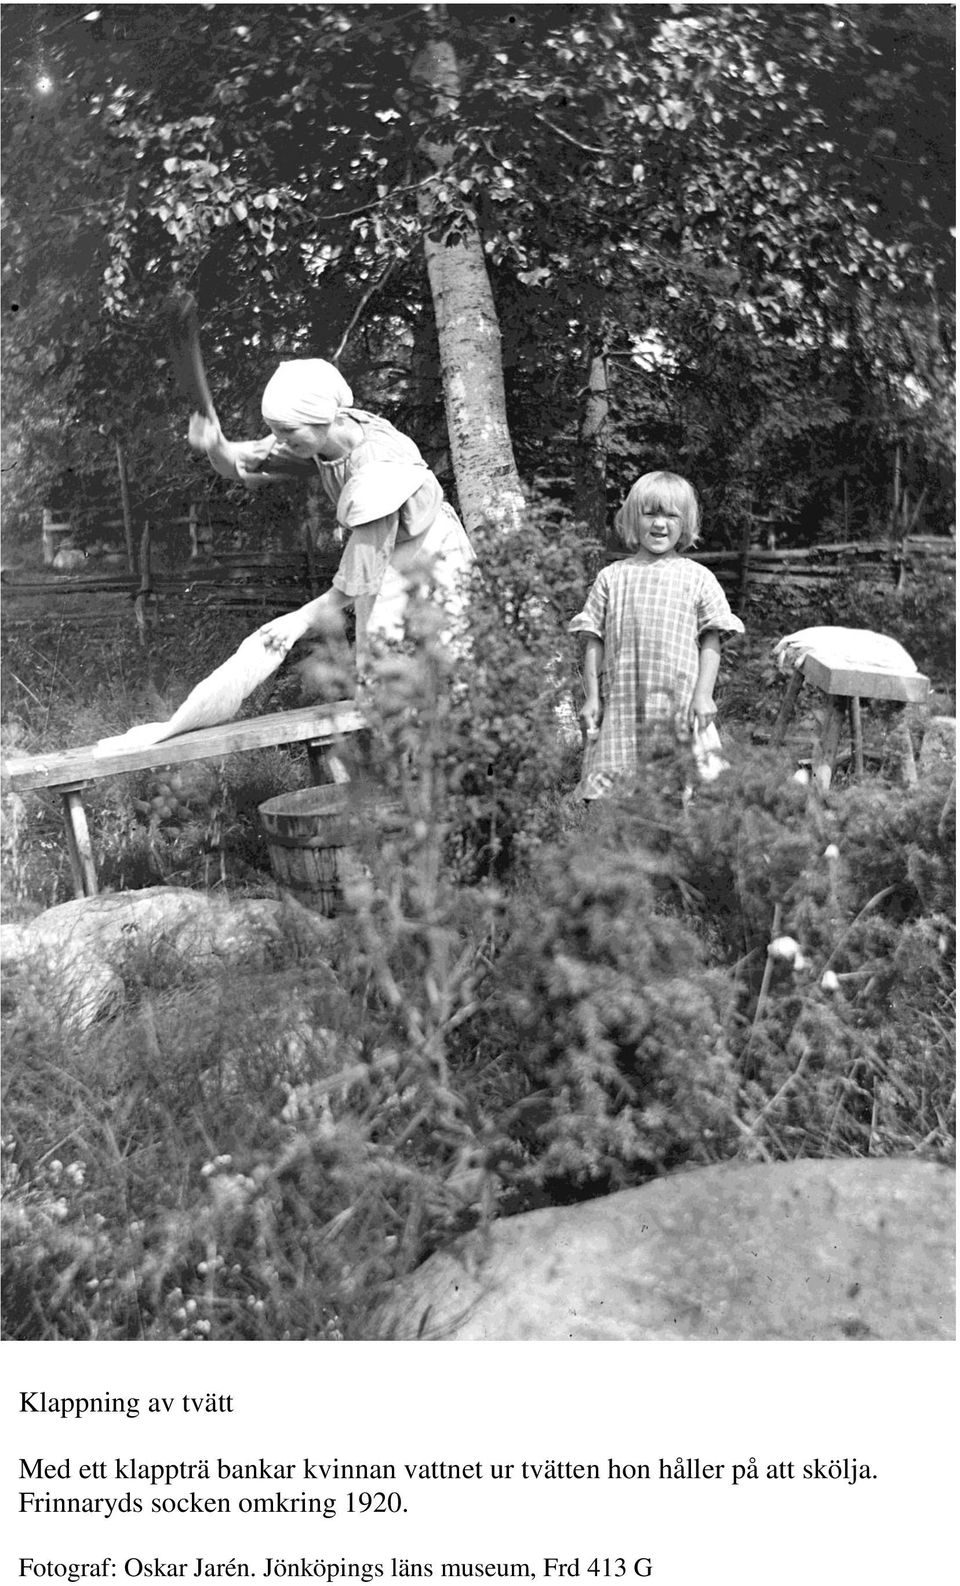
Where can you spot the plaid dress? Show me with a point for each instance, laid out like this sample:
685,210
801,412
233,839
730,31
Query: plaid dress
649,615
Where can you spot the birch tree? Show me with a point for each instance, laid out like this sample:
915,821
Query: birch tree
467,327
524,191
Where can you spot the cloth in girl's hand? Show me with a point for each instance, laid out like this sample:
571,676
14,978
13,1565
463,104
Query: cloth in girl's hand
844,647
706,753
215,700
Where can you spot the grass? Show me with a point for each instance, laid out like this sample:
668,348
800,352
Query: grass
255,1153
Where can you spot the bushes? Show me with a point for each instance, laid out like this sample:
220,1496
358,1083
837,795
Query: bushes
844,1040
522,1002
506,753
614,1023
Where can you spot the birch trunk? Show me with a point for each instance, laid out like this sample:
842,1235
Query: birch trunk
590,498
488,484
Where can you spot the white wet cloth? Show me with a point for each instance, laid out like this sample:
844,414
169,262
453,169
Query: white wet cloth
705,743
216,699
856,648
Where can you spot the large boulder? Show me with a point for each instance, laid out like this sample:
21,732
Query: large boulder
78,953
844,1249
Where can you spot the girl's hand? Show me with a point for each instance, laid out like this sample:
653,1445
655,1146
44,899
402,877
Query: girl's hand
591,714
283,632
702,710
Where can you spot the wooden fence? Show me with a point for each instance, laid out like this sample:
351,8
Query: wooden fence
265,582
882,563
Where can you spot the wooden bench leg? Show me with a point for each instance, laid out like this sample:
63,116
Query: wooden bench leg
856,733
825,755
79,848
325,765
786,709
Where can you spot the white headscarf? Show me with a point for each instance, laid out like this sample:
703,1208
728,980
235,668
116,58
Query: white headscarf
305,391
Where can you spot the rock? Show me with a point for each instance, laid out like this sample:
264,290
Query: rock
77,949
841,1249
939,745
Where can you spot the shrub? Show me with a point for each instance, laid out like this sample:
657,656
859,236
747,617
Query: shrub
613,1021
511,735
844,1045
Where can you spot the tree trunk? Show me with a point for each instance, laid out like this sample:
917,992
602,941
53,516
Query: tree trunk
590,499
125,506
488,484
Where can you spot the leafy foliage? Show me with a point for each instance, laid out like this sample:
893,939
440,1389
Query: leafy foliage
768,281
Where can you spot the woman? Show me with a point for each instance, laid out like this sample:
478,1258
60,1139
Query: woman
399,527
387,501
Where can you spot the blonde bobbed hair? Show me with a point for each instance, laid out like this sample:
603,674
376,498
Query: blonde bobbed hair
662,492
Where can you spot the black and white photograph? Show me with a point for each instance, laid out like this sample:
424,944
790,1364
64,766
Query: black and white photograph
478,718
479,653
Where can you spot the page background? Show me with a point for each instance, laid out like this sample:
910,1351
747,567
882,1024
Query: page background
890,1405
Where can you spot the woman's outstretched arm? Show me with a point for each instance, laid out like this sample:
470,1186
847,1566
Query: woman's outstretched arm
253,463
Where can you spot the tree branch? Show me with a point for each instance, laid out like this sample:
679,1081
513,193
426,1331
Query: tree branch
588,148
372,289
348,214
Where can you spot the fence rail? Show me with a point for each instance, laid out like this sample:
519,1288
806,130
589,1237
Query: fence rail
882,562
259,580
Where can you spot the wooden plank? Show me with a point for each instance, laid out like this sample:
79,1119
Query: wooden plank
846,548
910,688
786,561
707,558
821,580
73,767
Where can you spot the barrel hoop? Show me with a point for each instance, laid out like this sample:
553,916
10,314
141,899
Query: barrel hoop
327,840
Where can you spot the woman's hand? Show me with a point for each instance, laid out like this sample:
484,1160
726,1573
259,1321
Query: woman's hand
322,616
254,477
282,633
205,435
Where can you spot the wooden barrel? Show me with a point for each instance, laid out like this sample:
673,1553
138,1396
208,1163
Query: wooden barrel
307,834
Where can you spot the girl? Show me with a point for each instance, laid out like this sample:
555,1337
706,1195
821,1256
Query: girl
386,498
652,625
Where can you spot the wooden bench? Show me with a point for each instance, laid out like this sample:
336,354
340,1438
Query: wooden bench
69,771
844,687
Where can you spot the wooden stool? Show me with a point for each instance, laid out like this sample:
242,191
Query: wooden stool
844,687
